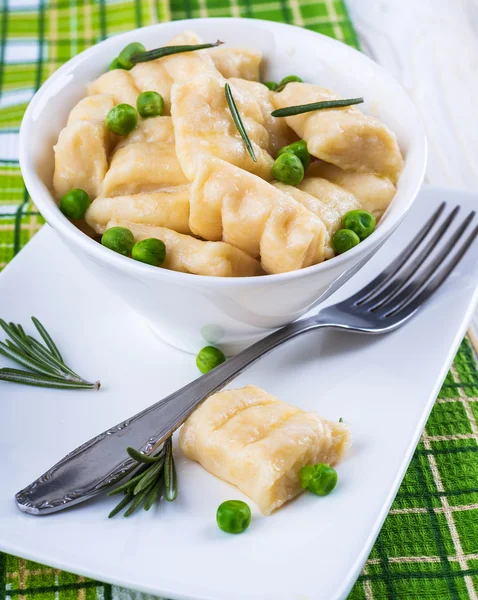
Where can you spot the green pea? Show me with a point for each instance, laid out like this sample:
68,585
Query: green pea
122,119
74,204
150,251
150,104
130,50
345,239
208,358
319,479
300,150
233,516
115,64
118,239
272,85
288,79
359,221
288,168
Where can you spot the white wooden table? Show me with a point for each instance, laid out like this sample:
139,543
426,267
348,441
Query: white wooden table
431,47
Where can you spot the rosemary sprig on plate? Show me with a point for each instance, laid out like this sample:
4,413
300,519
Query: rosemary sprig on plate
290,111
169,50
44,361
155,477
238,121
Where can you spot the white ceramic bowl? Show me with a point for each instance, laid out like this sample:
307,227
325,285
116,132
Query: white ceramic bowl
190,310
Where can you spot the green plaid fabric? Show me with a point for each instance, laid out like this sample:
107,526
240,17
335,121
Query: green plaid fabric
428,547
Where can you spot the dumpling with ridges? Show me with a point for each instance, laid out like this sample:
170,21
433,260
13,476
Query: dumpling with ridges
373,192
117,83
258,443
160,209
160,74
332,201
186,65
314,205
187,254
92,108
81,152
230,204
152,76
326,200
237,62
280,134
143,167
203,125
80,158
345,137
153,130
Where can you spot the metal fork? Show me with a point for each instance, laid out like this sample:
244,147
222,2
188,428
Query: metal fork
386,303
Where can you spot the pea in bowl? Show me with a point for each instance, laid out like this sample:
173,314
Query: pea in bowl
211,183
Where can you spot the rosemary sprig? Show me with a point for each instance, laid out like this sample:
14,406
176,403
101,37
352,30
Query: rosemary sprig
144,458
36,380
169,50
47,339
290,111
45,363
155,477
238,121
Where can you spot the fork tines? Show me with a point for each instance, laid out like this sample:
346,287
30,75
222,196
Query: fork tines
422,266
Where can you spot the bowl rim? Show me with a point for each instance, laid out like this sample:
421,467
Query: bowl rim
65,228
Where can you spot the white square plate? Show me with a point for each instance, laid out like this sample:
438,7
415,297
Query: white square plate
383,387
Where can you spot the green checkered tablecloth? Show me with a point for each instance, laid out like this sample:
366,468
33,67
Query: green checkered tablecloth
428,547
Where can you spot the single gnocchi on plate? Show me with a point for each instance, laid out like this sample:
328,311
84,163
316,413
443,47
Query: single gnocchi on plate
236,177
260,444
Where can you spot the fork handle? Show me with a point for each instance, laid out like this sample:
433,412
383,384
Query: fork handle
102,460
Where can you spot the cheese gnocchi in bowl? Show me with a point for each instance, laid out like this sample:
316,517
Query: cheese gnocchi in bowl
236,178
179,162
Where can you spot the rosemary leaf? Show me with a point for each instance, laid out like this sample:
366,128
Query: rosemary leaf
26,344
4,326
29,346
238,121
22,332
47,339
290,111
22,346
10,330
144,458
120,476
25,360
39,380
38,348
126,500
170,478
169,50
149,477
136,502
125,486
13,327
154,493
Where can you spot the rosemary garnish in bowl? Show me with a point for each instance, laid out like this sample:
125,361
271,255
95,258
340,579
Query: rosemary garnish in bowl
238,121
290,111
156,477
169,50
44,361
